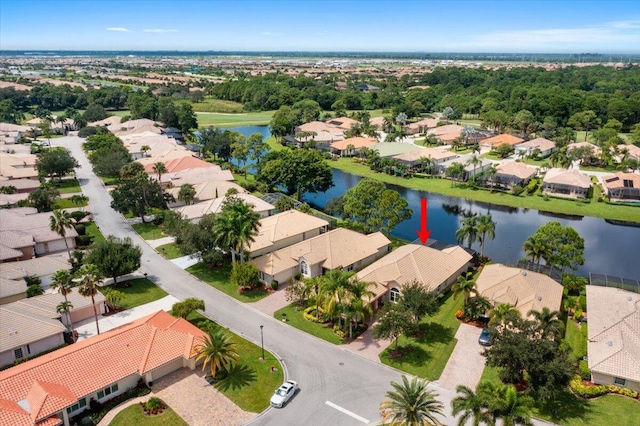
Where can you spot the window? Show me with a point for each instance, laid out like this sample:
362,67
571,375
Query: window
620,382
18,353
107,391
28,350
394,294
304,268
78,405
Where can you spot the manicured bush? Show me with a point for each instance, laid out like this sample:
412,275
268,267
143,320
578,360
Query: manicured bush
583,303
83,240
310,314
585,373
274,284
80,229
245,274
78,215
578,315
153,403
594,391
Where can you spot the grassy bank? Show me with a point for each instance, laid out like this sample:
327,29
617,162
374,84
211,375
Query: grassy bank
443,186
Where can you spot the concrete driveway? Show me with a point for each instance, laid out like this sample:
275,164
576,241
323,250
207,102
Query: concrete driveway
466,363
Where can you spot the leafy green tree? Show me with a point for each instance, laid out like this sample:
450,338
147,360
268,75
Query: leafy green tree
94,112
217,142
187,306
257,147
299,171
240,151
34,290
61,281
235,227
142,105
284,203
524,121
411,403
59,222
9,113
584,120
564,247
56,163
307,110
283,122
198,238
115,257
187,118
187,193
419,301
504,150
537,248
218,351
90,277
548,320
372,207
394,321
245,275
139,195
44,198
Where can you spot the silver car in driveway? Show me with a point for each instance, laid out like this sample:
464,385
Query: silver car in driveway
284,393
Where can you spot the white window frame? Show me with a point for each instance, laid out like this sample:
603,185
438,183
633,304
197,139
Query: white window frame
394,295
304,268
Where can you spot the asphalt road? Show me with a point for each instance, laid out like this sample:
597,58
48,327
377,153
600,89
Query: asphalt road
337,387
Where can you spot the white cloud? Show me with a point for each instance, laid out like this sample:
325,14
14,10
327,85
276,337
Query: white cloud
159,30
119,29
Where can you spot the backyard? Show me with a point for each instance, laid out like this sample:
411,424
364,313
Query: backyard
219,278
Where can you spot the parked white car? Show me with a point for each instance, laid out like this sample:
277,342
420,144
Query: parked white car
284,393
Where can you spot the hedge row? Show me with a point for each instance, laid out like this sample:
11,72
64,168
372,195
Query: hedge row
598,390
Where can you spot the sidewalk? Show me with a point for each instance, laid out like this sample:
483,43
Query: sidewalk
366,346
87,328
160,241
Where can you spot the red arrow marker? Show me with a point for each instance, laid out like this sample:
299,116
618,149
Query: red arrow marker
423,233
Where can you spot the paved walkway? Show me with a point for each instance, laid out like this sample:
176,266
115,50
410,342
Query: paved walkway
270,304
185,261
366,346
466,362
160,241
87,328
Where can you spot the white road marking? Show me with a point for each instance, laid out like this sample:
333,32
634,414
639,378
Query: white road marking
347,412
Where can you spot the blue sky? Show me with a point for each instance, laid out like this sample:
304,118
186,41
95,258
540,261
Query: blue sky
546,26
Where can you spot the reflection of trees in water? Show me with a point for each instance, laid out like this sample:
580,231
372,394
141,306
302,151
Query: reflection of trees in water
456,209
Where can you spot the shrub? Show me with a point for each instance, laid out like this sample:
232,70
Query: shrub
583,302
309,314
85,132
532,186
78,215
245,274
80,229
585,373
517,190
250,186
598,390
274,284
297,276
154,403
83,240
578,314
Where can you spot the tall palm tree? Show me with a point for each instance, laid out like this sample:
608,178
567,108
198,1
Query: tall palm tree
476,307
359,305
59,222
465,286
536,248
411,403
64,308
90,277
455,171
509,406
474,161
218,351
160,169
502,312
546,318
491,172
62,282
485,227
236,226
468,230
333,293
470,406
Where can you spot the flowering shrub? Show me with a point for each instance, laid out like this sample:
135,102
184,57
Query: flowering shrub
584,391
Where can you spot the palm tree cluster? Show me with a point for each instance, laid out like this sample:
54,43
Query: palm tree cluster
474,306
490,403
236,226
476,228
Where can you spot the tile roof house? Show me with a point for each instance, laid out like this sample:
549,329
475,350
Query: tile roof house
421,126
194,212
613,343
544,146
514,173
566,183
12,200
18,166
284,229
205,191
344,123
377,122
24,223
632,151
622,186
523,290
12,290
338,248
500,139
471,169
434,269
50,389
351,146
109,121
22,186
447,133
179,161
319,132
196,176
42,267
596,150
413,158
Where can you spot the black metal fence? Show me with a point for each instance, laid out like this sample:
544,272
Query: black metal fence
553,273
616,282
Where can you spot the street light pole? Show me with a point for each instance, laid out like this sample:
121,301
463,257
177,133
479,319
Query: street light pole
262,341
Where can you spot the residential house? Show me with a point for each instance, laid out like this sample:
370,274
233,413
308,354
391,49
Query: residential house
391,149
344,123
595,149
173,133
10,127
16,245
622,186
284,229
12,290
195,211
12,200
514,174
544,147
22,186
435,269
566,183
415,159
195,176
153,144
114,120
25,334
366,87
41,267
48,390
613,344
174,161
524,290
470,169
447,133
377,122
24,223
632,151
351,146
205,191
501,139
141,123
421,126
320,133
18,166
340,248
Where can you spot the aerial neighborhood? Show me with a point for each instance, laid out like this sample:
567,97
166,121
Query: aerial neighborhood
203,239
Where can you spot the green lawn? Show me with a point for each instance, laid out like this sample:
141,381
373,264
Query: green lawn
110,180
219,279
532,162
250,384
170,251
133,415
427,356
142,291
122,113
66,203
443,186
216,105
295,319
149,230
576,337
92,229
70,186
206,119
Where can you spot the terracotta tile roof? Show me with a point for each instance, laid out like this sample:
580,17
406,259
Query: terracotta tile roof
182,162
501,139
617,180
567,177
634,151
342,122
614,332
519,170
284,225
70,373
12,414
524,290
358,142
336,248
21,327
428,123
413,262
318,127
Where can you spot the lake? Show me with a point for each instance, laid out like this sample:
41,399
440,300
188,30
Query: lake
609,249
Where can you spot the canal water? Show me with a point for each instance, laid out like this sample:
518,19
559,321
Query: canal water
609,248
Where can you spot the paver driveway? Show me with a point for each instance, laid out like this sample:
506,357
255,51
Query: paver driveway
466,362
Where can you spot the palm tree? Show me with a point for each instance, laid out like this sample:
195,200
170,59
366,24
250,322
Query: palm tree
536,248
360,304
90,278
62,282
411,403
485,227
474,161
160,169
332,293
546,318
464,285
59,222
145,149
187,193
79,199
218,350
476,307
510,406
468,230
472,406
502,312
65,307
491,172
236,226
455,170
